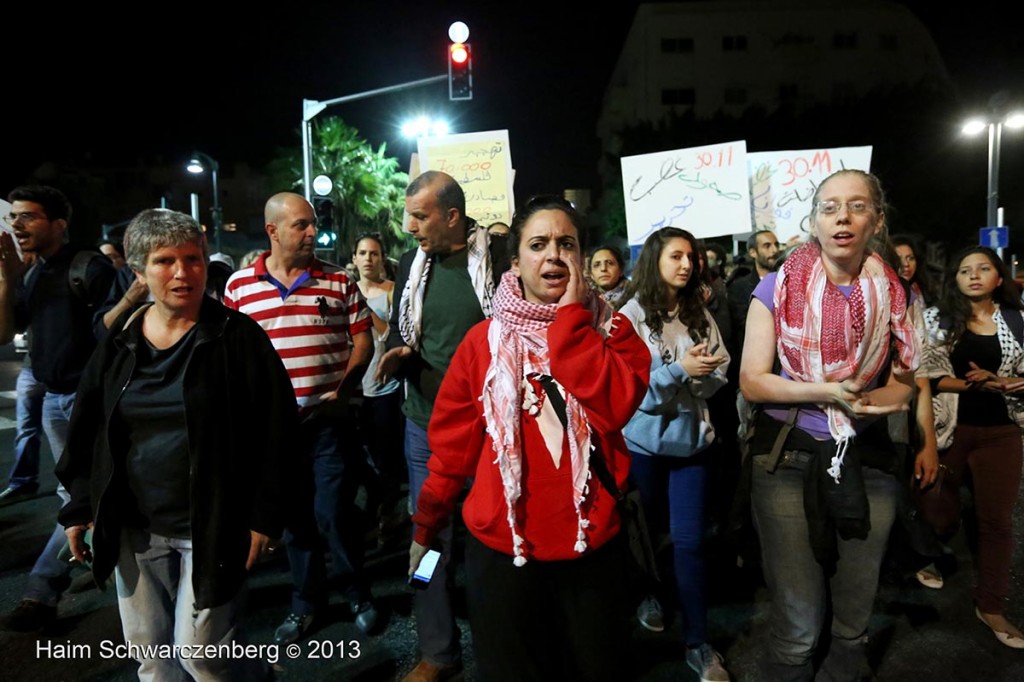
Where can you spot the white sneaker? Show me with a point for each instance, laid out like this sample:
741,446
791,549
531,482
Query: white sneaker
707,663
649,615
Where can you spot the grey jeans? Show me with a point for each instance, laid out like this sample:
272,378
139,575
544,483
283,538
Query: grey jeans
800,589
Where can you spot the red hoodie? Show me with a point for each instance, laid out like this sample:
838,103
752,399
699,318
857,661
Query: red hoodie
608,376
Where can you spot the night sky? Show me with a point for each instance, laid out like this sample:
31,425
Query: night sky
85,87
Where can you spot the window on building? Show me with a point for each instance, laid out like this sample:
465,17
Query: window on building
735,96
844,41
678,97
676,45
734,43
888,41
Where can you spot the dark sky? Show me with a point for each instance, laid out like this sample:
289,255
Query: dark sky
116,88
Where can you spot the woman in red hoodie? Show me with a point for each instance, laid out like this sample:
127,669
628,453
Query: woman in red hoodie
531,399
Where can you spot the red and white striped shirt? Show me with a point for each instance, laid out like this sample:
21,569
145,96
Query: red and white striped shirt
310,325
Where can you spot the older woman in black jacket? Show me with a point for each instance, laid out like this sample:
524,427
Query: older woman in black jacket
163,462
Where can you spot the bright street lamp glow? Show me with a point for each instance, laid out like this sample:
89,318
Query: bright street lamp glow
974,126
458,32
1015,120
195,166
423,126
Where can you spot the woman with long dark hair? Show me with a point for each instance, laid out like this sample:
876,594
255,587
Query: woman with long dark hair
672,428
534,400
974,347
824,481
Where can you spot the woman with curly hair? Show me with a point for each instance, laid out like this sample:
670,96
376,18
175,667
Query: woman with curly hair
669,433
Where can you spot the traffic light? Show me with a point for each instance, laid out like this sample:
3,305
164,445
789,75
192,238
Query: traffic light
460,72
324,209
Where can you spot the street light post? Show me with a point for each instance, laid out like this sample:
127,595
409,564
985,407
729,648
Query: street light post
994,122
312,107
197,165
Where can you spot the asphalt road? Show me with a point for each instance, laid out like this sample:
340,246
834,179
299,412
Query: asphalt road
917,635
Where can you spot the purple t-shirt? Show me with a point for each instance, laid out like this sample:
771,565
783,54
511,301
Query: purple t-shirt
811,418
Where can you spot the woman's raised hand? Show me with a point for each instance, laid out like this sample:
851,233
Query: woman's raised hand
698,363
577,287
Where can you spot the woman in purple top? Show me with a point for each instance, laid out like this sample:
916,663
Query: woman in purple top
823,489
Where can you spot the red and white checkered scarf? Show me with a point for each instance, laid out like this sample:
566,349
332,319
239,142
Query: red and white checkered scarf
823,336
518,343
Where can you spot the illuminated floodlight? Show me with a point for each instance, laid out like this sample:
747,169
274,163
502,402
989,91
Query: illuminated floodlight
974,126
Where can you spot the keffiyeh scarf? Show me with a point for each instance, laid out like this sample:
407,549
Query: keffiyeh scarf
518,344
823,336
410,306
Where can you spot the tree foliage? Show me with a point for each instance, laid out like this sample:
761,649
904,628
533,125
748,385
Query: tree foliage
369,189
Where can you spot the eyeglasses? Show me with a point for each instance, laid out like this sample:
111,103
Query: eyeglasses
855,207
14,218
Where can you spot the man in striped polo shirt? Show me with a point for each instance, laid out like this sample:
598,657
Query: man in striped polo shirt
320,325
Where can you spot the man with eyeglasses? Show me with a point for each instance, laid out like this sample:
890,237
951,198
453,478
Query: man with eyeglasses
60,345
446,286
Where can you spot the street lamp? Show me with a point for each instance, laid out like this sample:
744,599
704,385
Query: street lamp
994,123
197,165
422,126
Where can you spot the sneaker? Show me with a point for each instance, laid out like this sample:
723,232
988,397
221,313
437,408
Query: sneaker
365,615
293,628
929,576
30,616
649,615
707,663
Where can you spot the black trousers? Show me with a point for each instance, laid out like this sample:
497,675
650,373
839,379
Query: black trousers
548,620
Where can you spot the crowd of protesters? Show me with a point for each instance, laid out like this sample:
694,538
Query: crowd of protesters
817,395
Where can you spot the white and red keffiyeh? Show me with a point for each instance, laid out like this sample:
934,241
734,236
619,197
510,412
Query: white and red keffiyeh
823,336
518,344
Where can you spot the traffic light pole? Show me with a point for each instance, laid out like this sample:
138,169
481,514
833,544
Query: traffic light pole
311,108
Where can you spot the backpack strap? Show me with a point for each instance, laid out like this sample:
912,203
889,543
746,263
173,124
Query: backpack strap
78,271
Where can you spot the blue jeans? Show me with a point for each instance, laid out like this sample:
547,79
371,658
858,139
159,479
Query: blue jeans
51,575
435,619
28,411
675,489
155,598
335,519
798,584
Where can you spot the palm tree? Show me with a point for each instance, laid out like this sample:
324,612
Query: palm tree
369,190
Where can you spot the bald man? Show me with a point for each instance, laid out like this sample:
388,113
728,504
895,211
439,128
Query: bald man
320,325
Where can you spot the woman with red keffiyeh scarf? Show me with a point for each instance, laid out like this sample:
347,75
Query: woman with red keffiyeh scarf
824,486
530,399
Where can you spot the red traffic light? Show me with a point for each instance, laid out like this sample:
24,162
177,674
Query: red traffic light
459,53
460,72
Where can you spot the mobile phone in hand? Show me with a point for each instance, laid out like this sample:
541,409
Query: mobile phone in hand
420,580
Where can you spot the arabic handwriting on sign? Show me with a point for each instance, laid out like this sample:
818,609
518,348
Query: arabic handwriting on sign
697,183
489,152
481,177
669,168
794,195
676,211
478,195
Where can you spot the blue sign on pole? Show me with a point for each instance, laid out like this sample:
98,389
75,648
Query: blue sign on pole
994,237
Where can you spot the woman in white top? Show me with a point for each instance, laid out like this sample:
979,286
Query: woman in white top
380,417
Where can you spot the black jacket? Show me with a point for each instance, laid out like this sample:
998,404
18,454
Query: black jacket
240,414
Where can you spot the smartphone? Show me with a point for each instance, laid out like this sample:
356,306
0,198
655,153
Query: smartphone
425,571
